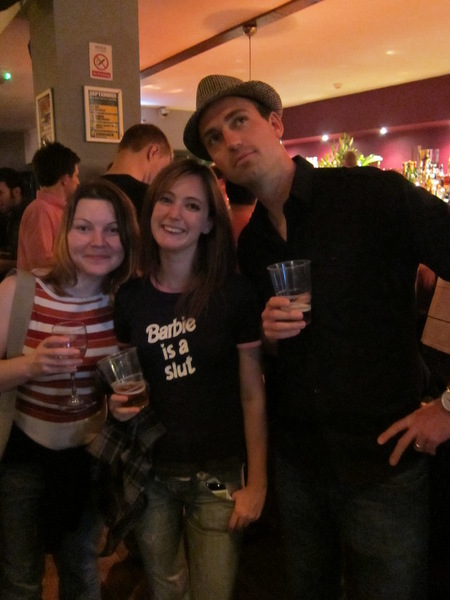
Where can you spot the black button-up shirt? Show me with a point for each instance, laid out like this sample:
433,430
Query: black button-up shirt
355,369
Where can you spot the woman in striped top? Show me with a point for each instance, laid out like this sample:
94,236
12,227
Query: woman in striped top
45,502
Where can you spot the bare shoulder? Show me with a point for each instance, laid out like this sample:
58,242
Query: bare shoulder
7,289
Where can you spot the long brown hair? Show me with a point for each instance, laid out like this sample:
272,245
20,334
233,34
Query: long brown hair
215,259
64,273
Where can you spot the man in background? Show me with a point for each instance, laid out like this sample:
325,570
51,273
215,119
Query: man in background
222,183
12,205
242,204
56,169
143,151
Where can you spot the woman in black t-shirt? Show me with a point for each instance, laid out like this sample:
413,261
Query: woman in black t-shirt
196,326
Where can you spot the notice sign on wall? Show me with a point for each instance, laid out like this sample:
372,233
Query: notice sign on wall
100,61
103,114
45,118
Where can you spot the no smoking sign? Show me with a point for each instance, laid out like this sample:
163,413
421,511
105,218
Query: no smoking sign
100,61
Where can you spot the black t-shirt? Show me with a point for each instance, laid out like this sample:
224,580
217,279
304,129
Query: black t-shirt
132,187
9,231
191,365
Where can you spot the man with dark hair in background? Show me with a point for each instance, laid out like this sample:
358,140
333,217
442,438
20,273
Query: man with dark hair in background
242,204
143,151
12,205
56,169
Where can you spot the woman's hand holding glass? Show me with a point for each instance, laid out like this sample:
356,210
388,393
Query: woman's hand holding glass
119,411
52,356
73,334
122,371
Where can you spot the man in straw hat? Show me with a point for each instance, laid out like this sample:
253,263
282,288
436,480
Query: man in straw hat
338,382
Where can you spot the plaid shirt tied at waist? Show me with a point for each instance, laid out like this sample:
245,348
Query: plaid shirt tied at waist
124,454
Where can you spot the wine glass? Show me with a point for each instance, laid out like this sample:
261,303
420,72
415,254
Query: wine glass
77,334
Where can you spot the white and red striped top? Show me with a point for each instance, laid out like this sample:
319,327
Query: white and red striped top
40,411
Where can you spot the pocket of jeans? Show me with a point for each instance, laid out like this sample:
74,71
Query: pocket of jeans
218,489
222,486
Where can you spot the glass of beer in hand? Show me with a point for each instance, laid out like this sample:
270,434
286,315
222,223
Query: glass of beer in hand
123,373
292,279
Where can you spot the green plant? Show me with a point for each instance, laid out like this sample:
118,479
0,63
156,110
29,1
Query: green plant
345,144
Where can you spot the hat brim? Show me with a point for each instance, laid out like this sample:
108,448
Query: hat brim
253,90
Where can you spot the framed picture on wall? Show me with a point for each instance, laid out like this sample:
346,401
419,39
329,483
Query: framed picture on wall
103,114
45,118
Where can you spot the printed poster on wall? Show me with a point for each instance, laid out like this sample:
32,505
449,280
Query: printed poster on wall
103,114
44,117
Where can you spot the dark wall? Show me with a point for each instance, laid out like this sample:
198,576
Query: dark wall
416,113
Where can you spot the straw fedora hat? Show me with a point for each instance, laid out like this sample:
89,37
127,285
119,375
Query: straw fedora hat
214,87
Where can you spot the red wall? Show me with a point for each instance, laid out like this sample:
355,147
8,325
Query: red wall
416,114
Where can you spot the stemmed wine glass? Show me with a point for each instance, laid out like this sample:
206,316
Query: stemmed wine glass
77,334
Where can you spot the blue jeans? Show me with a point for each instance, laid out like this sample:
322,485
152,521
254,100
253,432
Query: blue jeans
22,547
183,514
374,537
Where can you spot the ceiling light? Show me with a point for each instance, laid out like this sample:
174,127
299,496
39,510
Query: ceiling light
325,137
383,130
